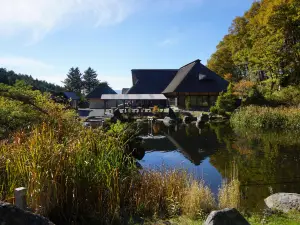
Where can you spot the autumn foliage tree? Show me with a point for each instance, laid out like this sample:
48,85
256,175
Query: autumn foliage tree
264,43
242,88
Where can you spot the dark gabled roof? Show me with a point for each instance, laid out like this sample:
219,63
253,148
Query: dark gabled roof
181,74
71,95
151,81
100,90
195,77
125,90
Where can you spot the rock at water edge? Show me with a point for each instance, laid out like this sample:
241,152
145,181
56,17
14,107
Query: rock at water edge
226,217
12,215
284,202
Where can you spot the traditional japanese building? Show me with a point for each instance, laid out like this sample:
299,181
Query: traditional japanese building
192,86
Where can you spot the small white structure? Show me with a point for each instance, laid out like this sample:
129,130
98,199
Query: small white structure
95,100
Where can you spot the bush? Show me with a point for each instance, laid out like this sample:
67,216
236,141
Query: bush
22,108
255,97
257,117
226,103
287,96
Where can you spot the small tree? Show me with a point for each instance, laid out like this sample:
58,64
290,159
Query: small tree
225,103
242,88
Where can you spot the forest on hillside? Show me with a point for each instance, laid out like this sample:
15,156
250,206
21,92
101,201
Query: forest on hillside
262,44
9,77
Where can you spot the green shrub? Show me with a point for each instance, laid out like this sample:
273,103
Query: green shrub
257,117
21,108
287,96
225,102
255,97
214,109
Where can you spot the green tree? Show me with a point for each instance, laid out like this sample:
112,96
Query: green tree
10,78
221,61
263,43
225,103
74,82
21,108
90,81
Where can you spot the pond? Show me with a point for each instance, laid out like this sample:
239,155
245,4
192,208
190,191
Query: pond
265,163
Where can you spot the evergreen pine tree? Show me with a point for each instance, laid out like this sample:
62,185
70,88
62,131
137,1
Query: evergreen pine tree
90,81
73,82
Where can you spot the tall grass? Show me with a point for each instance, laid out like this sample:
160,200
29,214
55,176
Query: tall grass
257,117
71,175
229,194
82,176
198,200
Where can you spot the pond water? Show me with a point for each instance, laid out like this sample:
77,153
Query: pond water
265,163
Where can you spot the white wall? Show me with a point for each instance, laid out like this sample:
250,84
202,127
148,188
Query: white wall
99,104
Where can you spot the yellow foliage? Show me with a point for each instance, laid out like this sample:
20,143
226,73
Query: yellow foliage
228,77
229,194
242,88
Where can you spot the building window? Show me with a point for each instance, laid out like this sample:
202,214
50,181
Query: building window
172,101
204,101
213,99
193,101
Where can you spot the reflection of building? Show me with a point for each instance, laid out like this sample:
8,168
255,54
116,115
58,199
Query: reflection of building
193,146
192,84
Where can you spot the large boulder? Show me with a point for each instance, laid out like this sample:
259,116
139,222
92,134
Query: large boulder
226,217
284,202
12,215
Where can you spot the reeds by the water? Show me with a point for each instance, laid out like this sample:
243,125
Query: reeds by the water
82,176
258,117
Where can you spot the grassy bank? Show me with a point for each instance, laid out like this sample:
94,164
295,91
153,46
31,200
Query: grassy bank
264,118
76,175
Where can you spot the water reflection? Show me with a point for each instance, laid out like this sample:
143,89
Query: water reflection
266,162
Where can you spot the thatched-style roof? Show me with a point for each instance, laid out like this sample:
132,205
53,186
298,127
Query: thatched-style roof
151,81
100,90
195,77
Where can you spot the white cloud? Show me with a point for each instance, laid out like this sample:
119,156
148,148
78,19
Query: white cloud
38,17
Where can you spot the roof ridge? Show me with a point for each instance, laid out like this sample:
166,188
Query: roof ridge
179,77
195,61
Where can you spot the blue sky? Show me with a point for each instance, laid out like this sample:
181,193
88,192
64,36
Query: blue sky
45,38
